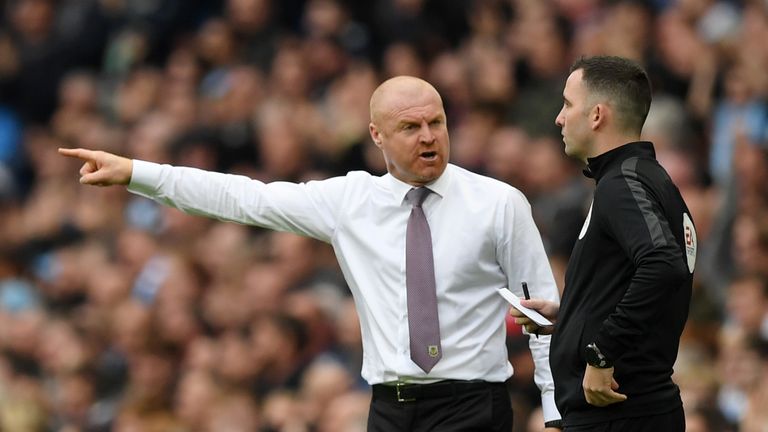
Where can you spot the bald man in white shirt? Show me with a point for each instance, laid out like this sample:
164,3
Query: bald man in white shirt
483,238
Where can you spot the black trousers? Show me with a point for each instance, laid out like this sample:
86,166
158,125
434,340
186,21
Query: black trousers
446,406
673,421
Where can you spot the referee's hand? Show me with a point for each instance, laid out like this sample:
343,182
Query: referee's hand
600,387
545,307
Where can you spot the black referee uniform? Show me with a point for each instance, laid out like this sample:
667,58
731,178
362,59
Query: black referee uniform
627,290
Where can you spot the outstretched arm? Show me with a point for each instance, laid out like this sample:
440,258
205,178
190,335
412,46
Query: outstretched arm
101,168
308,209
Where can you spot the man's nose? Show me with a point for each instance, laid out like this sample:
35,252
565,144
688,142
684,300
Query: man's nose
559,119
425,133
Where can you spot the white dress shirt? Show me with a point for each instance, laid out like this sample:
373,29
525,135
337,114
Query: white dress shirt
483,237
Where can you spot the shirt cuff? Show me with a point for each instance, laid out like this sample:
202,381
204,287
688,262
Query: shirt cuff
145,177
548,407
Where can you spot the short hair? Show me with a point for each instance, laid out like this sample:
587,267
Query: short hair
623,82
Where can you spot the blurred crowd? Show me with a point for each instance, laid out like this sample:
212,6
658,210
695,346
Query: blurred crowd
117,314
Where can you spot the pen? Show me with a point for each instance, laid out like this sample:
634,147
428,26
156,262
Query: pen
528,297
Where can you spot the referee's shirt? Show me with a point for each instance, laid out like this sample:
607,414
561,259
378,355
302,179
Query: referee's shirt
627,288
483,236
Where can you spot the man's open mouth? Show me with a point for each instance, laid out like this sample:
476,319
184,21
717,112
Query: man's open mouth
428,155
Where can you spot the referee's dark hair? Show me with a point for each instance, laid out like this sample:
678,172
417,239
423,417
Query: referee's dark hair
623,83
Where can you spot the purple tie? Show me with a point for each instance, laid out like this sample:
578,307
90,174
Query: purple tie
423,323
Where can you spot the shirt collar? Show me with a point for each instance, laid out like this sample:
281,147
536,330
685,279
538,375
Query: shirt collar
597,166
440,186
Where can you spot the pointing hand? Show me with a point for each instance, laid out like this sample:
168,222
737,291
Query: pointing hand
101,168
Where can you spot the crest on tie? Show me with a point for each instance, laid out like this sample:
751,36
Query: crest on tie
433,350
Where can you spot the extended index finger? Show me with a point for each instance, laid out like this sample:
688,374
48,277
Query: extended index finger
77,153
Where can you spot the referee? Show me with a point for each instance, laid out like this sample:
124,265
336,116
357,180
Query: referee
629,278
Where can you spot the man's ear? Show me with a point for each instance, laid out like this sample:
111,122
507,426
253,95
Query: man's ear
375,134
598,116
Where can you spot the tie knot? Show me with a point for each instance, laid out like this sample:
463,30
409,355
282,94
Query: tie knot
416,196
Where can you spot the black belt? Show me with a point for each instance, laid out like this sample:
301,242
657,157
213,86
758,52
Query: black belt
403,392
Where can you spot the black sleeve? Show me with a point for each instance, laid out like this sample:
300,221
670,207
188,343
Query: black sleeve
633,215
